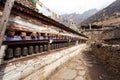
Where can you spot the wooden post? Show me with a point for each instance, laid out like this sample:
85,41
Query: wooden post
90,26
49,47
4,20
68,43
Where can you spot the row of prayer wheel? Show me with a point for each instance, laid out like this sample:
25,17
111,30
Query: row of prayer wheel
17,52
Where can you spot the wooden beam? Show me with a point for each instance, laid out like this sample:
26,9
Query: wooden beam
4,20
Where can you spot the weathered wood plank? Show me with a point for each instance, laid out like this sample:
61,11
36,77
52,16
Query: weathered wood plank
7,10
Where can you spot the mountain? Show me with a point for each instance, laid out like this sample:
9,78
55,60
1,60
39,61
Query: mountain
107,16
78,18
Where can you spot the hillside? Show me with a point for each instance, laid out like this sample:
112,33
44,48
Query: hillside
78,18
106,16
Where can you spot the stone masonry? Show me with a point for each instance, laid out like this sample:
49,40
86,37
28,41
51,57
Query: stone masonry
109,56
39,67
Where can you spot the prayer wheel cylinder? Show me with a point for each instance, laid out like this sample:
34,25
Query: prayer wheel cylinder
17,52
31,50
25,51
9,53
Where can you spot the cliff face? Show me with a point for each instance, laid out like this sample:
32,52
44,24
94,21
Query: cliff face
108,13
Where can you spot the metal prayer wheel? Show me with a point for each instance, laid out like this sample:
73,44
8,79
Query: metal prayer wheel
61,45
9,53
53,46
17,52
66,44
45,47
41,48
36,49
25,51
31,49
57,45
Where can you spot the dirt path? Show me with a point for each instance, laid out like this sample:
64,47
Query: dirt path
82,67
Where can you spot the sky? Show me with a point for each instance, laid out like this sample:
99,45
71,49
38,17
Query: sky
75,6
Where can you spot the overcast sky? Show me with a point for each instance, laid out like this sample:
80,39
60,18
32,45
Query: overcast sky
75,6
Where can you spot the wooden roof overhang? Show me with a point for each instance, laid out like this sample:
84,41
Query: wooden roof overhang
20,9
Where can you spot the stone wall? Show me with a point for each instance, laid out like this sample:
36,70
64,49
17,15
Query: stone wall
109,56
111,34
38,67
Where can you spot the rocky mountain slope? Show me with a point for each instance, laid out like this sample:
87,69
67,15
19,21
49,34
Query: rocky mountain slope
107,15
78,18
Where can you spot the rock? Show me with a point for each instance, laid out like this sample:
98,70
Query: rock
80,68
65,74
79,78
100,77
82,72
